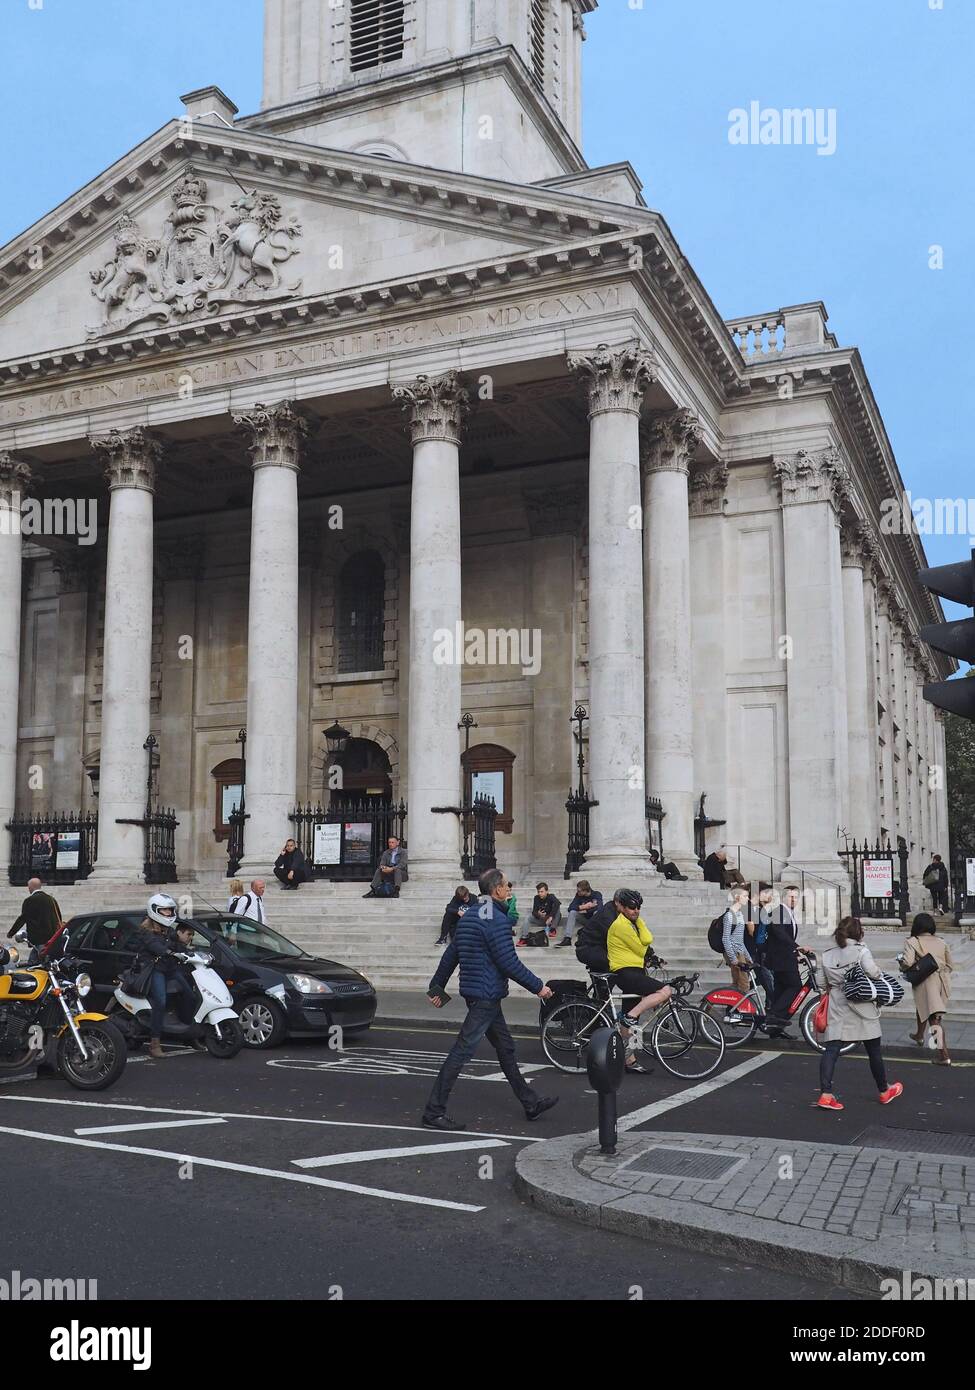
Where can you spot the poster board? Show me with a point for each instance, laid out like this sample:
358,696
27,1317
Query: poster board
357,842
970,878
878,878
327,847
68,855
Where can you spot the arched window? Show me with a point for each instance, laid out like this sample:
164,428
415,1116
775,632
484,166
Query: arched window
360,613
228,791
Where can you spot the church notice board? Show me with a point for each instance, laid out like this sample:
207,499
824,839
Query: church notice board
970,878
328,845
878,878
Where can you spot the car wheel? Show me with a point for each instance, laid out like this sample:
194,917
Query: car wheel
263,1023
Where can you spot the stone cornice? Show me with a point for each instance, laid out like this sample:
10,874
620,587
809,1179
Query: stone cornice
277,432
669,440
708,489
129,457
805,477
616,378
436,407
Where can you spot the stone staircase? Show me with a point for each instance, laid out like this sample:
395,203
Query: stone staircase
392,941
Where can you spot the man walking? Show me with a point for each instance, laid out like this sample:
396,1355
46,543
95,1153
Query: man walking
391,873
483,948
252,904
781,957
39,913
935,879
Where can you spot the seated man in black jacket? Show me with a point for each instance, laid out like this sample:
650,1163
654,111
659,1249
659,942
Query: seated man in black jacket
591,941
291,867
716,870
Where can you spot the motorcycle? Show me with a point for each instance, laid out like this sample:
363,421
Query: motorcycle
43,1021
215,1021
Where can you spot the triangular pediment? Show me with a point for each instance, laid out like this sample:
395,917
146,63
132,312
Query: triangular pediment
186,229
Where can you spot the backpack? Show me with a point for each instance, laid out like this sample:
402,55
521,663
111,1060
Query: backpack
716,934
536,938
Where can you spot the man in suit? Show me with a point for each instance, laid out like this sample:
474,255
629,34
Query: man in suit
39,913
392,872
781,958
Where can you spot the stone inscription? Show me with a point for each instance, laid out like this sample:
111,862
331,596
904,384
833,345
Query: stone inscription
340,348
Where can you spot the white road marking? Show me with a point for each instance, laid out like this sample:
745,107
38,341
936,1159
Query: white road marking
371,1155
523,1067
241,1168
659,1107
279,1119
154,1124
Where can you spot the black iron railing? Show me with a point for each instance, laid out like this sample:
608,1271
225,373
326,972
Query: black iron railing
578,806
42,842
160,830
878,867
655,825
364,826
235,840
484,814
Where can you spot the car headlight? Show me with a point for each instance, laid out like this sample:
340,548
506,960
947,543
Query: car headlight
305,984
83,985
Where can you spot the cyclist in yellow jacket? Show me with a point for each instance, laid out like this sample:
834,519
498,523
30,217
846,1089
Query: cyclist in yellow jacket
627,944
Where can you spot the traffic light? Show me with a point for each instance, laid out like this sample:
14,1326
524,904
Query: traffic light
955,582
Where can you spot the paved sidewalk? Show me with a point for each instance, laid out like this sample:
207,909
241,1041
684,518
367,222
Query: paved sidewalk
848,1215
412,1006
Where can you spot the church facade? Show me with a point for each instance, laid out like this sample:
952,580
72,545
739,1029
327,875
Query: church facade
380,407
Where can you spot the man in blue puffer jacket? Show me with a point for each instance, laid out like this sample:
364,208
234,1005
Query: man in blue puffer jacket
482,947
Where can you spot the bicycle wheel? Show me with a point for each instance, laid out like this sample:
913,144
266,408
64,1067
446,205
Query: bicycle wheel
567,1032
687,1041
809,1032
738,1022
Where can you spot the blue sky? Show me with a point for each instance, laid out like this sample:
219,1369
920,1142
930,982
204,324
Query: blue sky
85,80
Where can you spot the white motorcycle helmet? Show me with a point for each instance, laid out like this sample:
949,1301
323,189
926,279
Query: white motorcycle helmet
156,909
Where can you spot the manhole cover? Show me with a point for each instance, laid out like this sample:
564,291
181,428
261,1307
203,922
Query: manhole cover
917,1141
696,1164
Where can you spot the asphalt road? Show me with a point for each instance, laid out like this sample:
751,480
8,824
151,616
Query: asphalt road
287,1174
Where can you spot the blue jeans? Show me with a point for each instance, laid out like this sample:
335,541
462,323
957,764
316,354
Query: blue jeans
157,1000
484,1020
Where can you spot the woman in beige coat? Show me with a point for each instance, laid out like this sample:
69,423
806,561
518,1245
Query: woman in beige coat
847,1021
931,995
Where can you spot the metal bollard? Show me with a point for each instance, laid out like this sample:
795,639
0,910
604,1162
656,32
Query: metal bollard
605,1064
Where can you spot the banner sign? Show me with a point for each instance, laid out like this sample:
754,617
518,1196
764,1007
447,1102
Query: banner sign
878,878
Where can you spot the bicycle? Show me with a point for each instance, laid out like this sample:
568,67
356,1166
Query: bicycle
741,1016
684,1039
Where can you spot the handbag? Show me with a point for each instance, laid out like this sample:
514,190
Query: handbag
931,879
536,938
924,966
860,989
821,1016
135,980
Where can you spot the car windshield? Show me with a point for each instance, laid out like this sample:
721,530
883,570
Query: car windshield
252,940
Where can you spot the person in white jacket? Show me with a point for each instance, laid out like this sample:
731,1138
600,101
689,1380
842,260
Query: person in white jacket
849,1021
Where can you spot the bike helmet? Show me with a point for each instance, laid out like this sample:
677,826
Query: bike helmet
628,897
156,909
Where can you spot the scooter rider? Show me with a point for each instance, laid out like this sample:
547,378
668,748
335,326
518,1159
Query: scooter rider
158,941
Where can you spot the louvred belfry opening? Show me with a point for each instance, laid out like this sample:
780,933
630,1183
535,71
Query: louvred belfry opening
376,32
539,15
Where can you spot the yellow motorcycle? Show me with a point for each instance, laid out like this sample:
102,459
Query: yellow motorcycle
43,1019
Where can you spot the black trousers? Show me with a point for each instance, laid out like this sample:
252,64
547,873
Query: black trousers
301,876
787,986
827,1064
484,1020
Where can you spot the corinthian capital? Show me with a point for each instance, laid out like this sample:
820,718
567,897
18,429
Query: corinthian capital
276,434
668,441
436,407
15,479
807,477
707,490
129,457
857,545
617,378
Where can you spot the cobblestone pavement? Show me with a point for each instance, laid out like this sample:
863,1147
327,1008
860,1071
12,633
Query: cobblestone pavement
851,1214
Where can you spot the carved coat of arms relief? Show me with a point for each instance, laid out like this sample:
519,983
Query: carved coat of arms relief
204,261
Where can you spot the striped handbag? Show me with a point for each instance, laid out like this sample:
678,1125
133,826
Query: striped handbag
860,989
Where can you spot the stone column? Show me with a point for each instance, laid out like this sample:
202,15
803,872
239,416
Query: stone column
813,487
902,821
709,658
554,520
916,836
870,622
436,408
861,720
130,459
276,433
616,380
669,442
941,796
15,479
73,569
886,697
180,563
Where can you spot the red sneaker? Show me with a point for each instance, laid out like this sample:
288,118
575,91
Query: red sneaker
891,1093
522,942
830,1103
